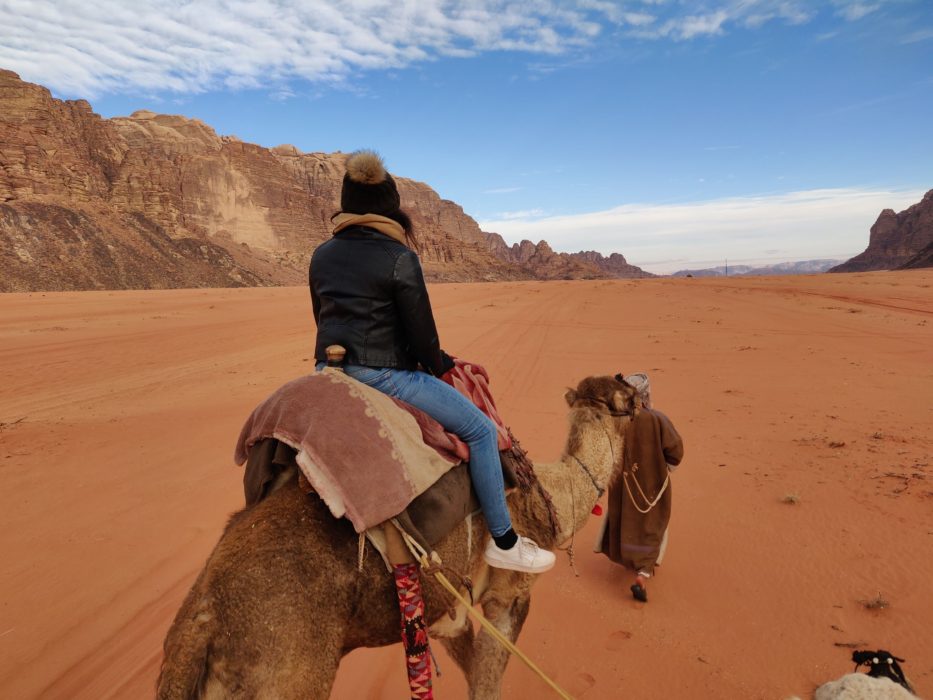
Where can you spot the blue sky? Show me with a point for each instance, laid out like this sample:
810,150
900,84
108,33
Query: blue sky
677,133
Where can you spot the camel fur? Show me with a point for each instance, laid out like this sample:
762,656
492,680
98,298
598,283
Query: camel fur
280,599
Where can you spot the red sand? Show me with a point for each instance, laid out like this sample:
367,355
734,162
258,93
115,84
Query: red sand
119,412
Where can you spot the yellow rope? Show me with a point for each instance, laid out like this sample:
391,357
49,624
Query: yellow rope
651,502
361,551
422,556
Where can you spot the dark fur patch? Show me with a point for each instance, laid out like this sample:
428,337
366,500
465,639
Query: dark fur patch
594,396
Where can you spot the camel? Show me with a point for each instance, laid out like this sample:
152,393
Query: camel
281,600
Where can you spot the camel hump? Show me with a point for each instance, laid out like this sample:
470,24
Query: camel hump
335,355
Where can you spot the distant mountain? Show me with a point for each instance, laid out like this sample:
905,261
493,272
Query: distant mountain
897,241
544,263
714,271
804,267
163,201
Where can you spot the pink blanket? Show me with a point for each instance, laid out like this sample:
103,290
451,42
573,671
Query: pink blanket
473,382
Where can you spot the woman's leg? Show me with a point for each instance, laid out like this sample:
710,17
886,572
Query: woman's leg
458,415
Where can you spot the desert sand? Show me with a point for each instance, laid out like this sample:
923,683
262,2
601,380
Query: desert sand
119,412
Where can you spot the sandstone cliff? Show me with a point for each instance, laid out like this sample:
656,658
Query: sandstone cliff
922,259
896,239
154,200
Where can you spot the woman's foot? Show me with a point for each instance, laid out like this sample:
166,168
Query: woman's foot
639,590
525,555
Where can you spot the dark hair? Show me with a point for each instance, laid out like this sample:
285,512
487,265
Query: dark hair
402,219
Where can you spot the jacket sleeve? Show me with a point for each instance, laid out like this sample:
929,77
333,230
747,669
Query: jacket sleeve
315,302
414,307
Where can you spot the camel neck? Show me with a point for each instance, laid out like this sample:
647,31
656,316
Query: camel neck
575,482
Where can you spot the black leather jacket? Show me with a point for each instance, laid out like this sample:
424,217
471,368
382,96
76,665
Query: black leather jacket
368,294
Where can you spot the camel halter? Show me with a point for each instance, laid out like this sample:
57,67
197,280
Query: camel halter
599,489
649,503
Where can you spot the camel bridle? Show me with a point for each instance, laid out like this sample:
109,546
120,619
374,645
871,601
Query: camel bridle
600,490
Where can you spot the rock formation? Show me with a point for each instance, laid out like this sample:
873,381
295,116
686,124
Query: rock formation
543,263
922,259
896,239
155,200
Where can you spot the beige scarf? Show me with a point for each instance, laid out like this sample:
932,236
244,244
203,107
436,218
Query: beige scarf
382,224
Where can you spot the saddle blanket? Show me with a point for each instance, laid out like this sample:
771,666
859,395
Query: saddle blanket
365,458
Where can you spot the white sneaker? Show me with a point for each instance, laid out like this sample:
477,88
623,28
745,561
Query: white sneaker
524,556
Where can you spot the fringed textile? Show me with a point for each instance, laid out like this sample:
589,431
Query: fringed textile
414,631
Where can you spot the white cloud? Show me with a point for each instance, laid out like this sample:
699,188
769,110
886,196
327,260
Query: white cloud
719,15
828,223
525,215
853,11
84,48
638,19
919,35
689,27
502,190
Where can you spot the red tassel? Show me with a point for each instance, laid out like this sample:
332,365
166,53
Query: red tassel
597,510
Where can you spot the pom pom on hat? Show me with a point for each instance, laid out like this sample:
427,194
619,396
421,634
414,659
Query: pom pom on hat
367,187
366,167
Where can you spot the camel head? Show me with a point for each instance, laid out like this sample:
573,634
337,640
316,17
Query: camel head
600,410
604,393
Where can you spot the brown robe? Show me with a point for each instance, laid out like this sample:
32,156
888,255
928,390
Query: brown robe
632,538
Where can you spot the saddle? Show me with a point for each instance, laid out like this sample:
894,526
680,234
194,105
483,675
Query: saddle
429,517
369,457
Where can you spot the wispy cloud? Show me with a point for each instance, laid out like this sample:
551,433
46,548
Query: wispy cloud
676,20
85,48
502,190
828,223
674,23
525,215
919,35
187,46
853,11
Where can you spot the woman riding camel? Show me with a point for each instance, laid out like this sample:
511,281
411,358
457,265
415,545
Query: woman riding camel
368,295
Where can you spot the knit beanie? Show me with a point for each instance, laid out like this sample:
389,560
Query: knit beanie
367,187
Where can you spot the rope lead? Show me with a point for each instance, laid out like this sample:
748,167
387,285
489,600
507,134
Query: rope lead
425,561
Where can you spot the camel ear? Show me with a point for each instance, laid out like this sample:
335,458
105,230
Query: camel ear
618,401
570,397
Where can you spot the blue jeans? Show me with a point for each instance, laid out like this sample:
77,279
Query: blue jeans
458,415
